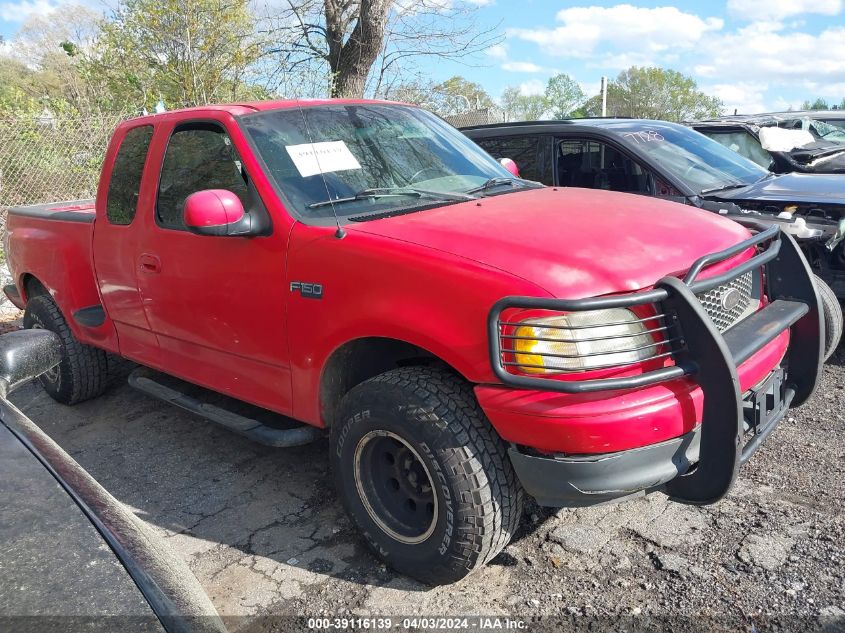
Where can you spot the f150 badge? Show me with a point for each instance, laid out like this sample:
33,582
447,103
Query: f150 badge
307,290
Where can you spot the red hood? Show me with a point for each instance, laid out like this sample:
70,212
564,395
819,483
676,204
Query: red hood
572,242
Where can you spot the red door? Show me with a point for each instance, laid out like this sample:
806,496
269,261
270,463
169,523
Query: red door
118,232
215,304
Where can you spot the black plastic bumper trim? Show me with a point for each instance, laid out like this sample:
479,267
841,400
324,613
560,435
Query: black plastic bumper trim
588,480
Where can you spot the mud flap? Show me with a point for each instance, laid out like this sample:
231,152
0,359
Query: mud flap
706,355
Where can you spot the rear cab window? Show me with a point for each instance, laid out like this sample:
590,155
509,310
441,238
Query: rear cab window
524,150
128,168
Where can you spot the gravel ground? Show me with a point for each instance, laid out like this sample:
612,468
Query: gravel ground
265,534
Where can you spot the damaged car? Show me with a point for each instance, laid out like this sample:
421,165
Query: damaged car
674,162
782,143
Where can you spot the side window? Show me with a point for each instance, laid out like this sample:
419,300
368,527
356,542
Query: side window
523,150
199,156
125,183
596,165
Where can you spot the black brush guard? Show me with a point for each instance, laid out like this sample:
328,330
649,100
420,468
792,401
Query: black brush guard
701,352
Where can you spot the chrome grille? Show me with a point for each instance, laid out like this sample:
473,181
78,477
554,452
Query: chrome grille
725,318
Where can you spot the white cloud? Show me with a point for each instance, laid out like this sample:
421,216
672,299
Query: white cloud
497,51
522,67
481,3
624,27
753,10
774,55
532,87
21,11
744,98
782,105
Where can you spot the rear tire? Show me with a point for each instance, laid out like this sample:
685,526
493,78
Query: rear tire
832,316
423,474
82,373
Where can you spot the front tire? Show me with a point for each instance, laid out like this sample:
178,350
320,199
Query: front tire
423,474
82,373
832,316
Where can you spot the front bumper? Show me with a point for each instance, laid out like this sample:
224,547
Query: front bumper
591,479
702,355
579,480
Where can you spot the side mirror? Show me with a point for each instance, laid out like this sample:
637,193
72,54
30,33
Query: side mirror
510,165
216,212
26,354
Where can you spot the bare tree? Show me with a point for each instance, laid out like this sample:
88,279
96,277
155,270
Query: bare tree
52,45
366,46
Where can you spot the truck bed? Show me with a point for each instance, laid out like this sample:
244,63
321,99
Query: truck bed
69,211
49,249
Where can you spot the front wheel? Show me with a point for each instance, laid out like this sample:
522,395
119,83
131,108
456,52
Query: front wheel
423,474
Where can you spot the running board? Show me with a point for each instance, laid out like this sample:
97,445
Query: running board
144,380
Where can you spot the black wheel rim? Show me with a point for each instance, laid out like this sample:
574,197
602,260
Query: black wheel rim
395,487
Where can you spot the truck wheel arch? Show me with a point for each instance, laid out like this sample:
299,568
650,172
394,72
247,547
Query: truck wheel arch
31,287
361,359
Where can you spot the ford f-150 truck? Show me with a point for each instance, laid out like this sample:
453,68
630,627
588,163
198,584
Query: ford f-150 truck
464,336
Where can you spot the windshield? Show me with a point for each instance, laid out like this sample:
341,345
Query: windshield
700,162
367,159
743,143
820,130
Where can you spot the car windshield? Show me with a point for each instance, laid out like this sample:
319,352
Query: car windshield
700,162
743,143
366,160
819,129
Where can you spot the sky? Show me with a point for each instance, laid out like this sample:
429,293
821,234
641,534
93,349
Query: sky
755,55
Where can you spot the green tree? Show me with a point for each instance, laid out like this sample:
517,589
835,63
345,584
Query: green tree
818,104
522,107
458,94
46,66
655,93
186,52
563,96
453,96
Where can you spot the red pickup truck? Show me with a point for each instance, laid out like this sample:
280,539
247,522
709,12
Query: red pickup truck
463,335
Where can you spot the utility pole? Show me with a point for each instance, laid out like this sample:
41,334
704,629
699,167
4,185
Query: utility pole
604,96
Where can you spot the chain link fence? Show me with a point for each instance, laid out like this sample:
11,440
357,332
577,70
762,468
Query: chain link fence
482,116
48,158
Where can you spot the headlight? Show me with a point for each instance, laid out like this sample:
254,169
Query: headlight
582,340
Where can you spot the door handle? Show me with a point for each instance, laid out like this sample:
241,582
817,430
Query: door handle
149,263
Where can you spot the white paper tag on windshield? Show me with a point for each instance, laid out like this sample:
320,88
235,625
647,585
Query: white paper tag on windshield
322,158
